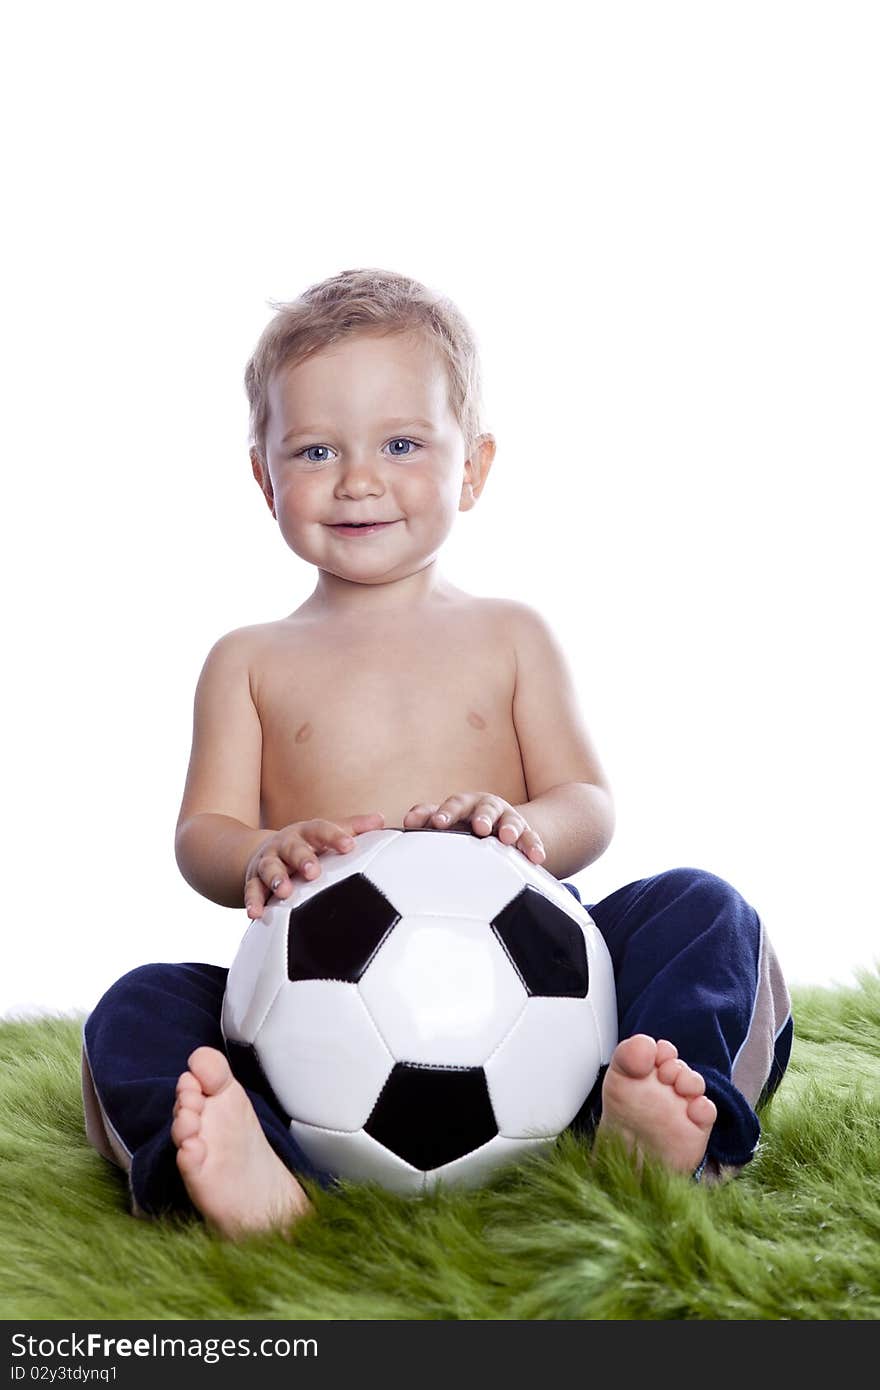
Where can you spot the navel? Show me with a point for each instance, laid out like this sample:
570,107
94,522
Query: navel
476,720
303,732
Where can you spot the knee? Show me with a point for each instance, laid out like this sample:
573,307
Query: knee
121,1000
708,899
156,974
165,985
700,883
135,985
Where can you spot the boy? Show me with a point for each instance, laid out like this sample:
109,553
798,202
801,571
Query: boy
391,688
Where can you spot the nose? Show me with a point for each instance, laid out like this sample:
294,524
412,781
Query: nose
360,476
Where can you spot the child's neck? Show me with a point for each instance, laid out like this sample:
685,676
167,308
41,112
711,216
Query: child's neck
347,600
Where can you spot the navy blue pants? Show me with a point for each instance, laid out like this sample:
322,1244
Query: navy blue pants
691,963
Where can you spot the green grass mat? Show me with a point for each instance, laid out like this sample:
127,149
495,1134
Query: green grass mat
796,1235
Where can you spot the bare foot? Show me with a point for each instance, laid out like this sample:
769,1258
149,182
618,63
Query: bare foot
656,1102
232,1174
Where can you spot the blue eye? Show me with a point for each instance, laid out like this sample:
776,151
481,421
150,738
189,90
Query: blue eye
399,439
403,440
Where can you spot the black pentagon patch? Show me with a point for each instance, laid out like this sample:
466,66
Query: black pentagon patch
429,1116
335,935
246,1067
546,947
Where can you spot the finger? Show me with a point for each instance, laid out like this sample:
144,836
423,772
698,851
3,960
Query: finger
510,827
531,845
454,808
300,851
297,854
318,835
271,877
370,820
254,897
278,870
275,871
485,813
418,814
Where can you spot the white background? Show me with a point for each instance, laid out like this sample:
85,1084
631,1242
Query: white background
662,221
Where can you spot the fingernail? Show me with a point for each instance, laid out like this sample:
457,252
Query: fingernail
441,817
275,883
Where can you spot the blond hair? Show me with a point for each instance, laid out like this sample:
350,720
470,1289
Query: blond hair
369,301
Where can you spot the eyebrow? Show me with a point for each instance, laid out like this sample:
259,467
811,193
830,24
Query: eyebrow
396,423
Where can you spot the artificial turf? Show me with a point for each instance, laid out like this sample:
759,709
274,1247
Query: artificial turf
569,1235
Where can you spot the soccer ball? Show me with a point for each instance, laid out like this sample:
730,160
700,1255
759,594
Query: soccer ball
433,1006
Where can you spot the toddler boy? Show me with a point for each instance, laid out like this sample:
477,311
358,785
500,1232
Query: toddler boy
390,688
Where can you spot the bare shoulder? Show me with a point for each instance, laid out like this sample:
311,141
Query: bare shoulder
238,646
255,639
524,624
509,608
538,651
502,612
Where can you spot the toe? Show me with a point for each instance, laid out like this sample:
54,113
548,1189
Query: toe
187,1082
635,1056
669,1070
689,1083
702,1111
186,1125
210,1068
191,1098
191,1154
665,1050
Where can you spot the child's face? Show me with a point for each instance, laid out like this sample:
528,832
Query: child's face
335,451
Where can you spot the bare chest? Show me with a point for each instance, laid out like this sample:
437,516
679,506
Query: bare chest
355,723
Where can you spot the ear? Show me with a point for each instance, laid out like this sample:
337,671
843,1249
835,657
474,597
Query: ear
261,473
476,470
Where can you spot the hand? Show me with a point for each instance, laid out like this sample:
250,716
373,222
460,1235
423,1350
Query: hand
295,849
488,813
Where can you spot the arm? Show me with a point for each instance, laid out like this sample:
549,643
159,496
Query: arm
218,825
570,803
575,822
213,852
